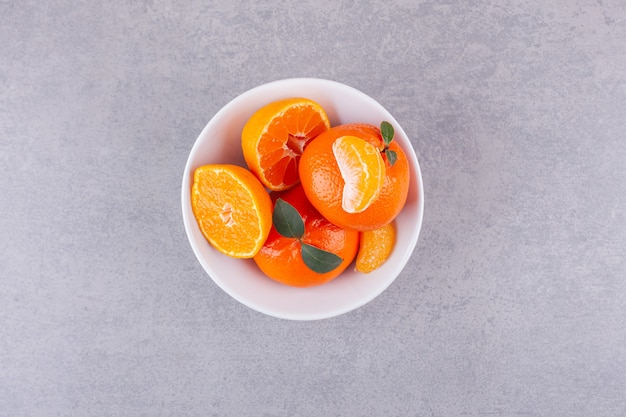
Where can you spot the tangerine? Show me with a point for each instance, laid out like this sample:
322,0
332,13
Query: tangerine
281,257
275,135
324,184
232,208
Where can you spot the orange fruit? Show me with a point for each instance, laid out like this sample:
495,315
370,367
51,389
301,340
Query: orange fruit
375,247
323,183
274,137
232,208
362,170
280,258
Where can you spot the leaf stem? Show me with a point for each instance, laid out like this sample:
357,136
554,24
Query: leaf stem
387,132
289,223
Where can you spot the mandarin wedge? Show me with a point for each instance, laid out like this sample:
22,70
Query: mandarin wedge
375,247
362,169
324,185
232,208
274,137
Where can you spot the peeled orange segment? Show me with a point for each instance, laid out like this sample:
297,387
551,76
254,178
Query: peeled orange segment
275,136
232,208
362,169
375,248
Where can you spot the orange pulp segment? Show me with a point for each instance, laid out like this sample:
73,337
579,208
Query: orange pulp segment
362,169
232,208
275,136
375,248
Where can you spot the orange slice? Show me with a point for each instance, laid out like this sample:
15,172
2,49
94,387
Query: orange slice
362,169
232,208
375,248
275,136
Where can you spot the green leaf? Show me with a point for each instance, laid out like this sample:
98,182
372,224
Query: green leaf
319,260
287,220
387,132
391,156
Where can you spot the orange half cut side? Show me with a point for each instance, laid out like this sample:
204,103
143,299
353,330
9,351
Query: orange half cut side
275,136
232,208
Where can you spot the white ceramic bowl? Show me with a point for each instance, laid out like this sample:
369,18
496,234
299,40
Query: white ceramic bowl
220,142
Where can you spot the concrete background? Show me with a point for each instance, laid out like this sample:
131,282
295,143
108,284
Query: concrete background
513,303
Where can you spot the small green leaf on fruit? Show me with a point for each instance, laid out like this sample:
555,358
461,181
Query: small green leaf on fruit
319,260
387,132
391,156
287,220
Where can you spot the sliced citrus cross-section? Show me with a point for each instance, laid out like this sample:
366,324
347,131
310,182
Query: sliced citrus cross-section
362,169
275,135
232,208
375,248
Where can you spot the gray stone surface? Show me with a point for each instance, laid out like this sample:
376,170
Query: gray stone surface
513,303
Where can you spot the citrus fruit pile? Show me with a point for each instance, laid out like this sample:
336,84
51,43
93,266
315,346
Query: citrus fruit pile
313,199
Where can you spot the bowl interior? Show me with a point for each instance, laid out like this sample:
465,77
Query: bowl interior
220,142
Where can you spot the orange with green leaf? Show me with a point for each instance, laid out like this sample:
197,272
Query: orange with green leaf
304,249
356,175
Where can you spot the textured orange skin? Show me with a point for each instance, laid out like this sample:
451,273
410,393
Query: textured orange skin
280,257
323,184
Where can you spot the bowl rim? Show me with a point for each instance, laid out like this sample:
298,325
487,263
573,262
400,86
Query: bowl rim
188,219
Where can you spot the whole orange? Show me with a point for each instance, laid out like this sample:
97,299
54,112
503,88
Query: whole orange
280,258
323,184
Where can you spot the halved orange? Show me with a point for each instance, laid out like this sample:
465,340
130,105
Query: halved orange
363,172
375,247
232,208
275,136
